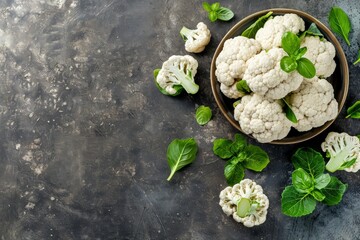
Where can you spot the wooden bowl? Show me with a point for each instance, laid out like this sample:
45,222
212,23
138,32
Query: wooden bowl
339,79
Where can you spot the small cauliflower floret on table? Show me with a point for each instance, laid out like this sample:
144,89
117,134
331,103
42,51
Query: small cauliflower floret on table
262,118
264,75
270,35
246,202
343,150
196,39
313,104
177,73
320,52
231,62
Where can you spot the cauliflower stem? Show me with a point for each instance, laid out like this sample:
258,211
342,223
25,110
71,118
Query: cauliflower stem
186,80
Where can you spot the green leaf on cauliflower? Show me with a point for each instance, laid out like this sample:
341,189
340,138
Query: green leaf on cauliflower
289,112
178,88
306,68
251,31
243,87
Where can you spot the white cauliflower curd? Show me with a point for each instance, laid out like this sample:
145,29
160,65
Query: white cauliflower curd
313,104
262,118
270,35
246,202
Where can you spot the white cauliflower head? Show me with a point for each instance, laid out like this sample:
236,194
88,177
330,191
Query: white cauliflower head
231,91
343,150
231,62
264,75
270,35
247,190
178,71
196,39
313,104
320,52
263,118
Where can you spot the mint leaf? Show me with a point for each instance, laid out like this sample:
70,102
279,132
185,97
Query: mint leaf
224,14
306,68
309,160
296,204
290,43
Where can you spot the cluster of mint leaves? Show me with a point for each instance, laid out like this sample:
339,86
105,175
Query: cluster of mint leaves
310,185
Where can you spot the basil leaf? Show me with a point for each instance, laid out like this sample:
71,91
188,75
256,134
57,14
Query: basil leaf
322,181
313,30
224,14
221,148
306,68
213,16
348,164
206,6
256,159
243,87
290,43
339,23
243,207
302,181
239,143
215,6
295,204
289,112
309,160
203,115
234,172
180,153
358,58
354,110
178,88
334,191
288,64
318,195
300,52
251,31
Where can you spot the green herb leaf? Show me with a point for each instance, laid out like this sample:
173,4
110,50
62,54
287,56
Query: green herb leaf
203,115
206,6
358,137
213,16
289,112
225,14
313,30
300,52
318,195
243,207
302,181
243,87
354,110
234,172
251,31
221,148
288,64
290,42
309,160
348,164
180,153
339,23
178,88
358,58
296,204
256,158
322,181
306,68
239,143
236,103
215,6
334,191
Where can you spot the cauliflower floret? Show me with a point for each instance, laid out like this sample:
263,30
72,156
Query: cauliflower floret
231,92
270,35
196,39
178,73
263,118
231,62
343,149
265,76
313,104
256,207
321,53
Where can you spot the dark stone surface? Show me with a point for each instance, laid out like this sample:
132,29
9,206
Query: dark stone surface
85,131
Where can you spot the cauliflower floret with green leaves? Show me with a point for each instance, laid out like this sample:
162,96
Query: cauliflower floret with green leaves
262,118
264,75
270,35
320,52
343,150
254,203
313,104
231,62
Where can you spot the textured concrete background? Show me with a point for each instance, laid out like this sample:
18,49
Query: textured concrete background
84,131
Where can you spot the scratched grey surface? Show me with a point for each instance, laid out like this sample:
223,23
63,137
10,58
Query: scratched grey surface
84,131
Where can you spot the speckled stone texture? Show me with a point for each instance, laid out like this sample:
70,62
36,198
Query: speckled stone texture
84,130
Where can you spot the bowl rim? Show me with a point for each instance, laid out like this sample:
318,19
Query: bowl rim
331,37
